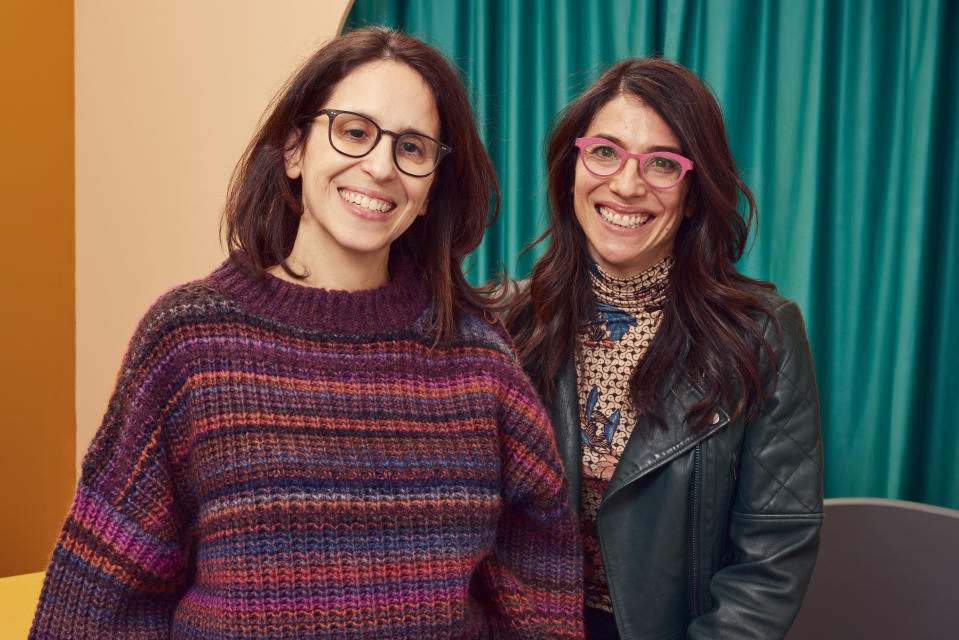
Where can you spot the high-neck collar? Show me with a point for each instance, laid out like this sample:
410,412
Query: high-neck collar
397,304
646,291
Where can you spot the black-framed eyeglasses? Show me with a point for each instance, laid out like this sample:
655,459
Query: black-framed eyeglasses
355,135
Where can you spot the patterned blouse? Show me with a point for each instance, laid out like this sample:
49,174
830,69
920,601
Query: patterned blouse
608,348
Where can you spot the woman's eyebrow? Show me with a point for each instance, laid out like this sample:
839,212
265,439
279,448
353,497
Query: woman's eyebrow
400,130
653,149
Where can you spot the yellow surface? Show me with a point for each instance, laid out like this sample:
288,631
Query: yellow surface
18,599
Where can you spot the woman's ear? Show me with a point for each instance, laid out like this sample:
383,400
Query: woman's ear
293,155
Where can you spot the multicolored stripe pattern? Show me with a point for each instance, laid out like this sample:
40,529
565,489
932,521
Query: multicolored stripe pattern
285,462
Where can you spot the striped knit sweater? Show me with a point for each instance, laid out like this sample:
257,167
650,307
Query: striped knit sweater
279,461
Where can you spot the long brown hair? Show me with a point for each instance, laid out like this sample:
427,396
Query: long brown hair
706,325
264,206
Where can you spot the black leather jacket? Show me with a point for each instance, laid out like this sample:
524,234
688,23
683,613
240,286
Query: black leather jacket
712,535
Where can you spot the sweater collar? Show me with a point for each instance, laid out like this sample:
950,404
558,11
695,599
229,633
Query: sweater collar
397,304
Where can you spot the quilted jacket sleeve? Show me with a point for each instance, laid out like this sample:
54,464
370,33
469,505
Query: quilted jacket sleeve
777,511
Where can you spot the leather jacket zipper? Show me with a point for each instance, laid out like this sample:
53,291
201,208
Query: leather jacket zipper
694,529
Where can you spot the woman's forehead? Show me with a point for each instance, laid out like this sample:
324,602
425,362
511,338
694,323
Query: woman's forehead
625,119
392,93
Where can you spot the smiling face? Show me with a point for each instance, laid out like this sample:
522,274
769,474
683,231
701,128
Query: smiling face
354,208
629,226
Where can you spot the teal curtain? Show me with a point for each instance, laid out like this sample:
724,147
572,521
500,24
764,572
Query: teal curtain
843,117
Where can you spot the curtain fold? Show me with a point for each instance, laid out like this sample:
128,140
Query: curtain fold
842,116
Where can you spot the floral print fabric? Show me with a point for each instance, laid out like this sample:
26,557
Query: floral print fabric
608,348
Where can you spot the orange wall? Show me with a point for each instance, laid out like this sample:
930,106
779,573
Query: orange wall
36,280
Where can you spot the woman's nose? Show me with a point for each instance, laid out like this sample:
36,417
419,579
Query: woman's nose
629,181
378,163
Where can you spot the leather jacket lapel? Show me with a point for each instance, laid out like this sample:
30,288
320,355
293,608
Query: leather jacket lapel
651,446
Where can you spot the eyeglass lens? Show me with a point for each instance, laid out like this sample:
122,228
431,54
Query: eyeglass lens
605,160
356,135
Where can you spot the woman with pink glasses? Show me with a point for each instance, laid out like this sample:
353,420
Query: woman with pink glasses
682,392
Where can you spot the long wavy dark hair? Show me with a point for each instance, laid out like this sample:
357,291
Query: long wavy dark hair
264,206
708,324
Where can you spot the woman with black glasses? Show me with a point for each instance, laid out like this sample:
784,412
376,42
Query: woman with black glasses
326,437
681,392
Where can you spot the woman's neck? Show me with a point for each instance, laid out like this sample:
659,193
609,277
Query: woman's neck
326,264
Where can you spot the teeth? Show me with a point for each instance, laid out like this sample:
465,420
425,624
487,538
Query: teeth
628,221
366,202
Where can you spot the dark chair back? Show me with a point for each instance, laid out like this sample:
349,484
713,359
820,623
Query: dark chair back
886,569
